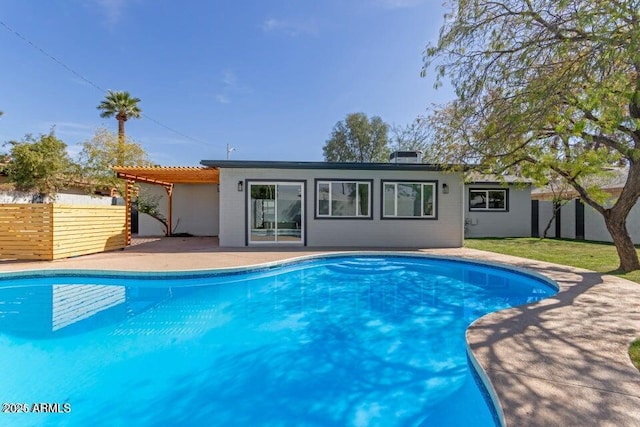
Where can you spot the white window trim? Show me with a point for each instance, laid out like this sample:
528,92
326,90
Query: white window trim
343,181
433,185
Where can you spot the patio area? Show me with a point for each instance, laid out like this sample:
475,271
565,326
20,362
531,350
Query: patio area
560,362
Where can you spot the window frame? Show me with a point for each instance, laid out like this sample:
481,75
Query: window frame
432,183
487,208
318,181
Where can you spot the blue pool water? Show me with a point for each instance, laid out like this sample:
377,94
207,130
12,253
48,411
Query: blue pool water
334,341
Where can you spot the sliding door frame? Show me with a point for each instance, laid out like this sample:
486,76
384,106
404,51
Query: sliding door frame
303,207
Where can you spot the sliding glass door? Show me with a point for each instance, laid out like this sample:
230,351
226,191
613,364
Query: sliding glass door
276,212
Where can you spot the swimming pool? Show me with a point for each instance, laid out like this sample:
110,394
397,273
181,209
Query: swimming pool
334,340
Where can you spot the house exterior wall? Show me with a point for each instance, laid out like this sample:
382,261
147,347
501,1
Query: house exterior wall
545,211
594,227
568,221
195,210
147,225
445,231
515,222
65,198
82,199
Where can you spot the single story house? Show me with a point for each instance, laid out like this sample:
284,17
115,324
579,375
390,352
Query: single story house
321,204
338,204
314,204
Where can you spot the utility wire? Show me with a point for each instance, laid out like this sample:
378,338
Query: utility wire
86,80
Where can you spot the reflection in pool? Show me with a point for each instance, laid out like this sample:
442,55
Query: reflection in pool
360,340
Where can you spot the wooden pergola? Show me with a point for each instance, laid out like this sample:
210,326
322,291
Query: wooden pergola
167,177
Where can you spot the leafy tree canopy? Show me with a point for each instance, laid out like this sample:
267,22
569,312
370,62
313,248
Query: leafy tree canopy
358,139
415,136
101,153
545,85
39,164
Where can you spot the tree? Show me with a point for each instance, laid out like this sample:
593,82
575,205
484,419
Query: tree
101,153
561,194
358,139
150,205
545,86
121,106
415,136
39,164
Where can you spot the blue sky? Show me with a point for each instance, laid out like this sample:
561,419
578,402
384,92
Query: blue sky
269,77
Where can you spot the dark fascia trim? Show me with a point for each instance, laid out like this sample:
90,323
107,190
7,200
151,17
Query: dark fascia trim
341,218
436,184
257,164
520,183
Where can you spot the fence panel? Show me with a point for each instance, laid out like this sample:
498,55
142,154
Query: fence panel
25,231
81,230
52,231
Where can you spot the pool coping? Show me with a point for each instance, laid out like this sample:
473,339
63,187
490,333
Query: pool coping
561,361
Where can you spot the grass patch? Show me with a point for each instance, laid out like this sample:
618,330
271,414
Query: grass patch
596,256
634,353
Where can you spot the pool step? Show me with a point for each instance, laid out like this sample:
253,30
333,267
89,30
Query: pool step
366,266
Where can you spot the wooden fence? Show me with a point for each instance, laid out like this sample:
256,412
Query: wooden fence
51,231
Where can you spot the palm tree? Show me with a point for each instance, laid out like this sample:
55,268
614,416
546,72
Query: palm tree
122,106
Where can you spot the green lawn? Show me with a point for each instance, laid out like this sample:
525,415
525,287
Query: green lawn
634,353
600,257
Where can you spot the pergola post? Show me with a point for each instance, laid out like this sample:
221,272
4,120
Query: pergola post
169,189
127,204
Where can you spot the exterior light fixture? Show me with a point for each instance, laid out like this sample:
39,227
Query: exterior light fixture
240,185
445,188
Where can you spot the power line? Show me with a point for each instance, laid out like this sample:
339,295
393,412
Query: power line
45,53
91,83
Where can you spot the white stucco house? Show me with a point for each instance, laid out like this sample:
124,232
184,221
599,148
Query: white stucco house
320,204
314,204
325,204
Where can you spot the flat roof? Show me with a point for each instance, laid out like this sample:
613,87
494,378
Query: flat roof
259,164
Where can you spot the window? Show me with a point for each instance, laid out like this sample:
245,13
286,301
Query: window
409,199
488,200
343,199
275,212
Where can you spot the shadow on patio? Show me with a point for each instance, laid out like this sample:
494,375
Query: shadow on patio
564,360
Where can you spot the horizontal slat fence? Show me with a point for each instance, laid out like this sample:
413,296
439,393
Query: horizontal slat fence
26,231
51,231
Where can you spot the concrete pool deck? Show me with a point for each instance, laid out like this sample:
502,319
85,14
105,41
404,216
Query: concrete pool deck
559,362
